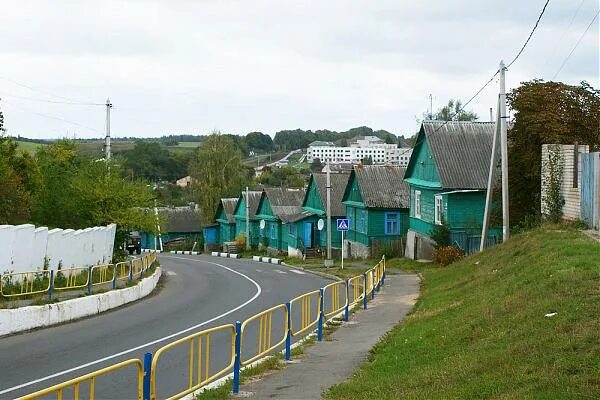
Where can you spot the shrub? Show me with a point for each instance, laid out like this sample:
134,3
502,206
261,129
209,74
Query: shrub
440,235
240,241
447,255
391,249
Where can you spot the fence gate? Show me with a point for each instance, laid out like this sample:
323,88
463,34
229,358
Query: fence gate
590,189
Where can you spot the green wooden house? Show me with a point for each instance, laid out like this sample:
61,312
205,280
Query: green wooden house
239,215
447,174
225,220
304,236
277,207
376,201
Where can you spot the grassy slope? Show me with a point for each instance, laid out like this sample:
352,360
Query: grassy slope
29,147
479,329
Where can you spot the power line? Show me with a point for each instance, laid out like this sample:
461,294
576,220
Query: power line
530,35
576,44
50,116
50,101
50,94
562,36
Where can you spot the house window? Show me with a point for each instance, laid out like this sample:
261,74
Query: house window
273,231
417,204
438,210
292,228
361,221
392,223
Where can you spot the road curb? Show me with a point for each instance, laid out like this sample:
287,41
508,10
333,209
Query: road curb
32,317
310,271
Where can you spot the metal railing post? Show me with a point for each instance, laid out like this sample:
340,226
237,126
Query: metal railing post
320,326
237,361
365,291
372,286
288,338
383,275
147,375
130,270
114,282
347,311
51,287
89,285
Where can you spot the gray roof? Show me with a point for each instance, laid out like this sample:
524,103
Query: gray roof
461,152
253,202
286,203
229,208
321,143
181,219
382,186
338,187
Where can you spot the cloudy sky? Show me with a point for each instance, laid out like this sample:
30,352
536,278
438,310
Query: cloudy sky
240,66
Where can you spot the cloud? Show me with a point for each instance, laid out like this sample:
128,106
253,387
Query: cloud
189,66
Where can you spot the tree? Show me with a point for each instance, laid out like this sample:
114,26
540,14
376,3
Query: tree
316,165
217,171
367,161
78,192
453,112
259,141
151,161
545,112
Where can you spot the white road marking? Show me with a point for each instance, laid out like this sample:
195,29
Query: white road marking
279,271
171,273
297,271
259,270
171,336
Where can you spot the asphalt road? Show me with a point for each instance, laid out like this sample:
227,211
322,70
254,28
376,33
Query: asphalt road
199,292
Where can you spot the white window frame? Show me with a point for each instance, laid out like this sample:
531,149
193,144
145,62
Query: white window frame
438,209
417,204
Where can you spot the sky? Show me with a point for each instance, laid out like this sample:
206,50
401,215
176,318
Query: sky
183,66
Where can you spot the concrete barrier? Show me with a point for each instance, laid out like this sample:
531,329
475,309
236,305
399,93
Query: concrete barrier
31,317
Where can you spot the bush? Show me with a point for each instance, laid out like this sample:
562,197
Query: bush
440,235
447,255
390,249
240,241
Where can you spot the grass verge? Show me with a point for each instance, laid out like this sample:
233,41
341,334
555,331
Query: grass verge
480,328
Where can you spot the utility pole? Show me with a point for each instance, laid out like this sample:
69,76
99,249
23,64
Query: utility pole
430,106
329,262
491,180
504,153
107,138
247,219
491,115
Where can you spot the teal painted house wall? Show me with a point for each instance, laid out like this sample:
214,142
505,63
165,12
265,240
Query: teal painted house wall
240,223
367,225
462,211
226,230
274,235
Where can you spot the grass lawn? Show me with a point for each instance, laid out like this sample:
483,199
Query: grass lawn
29,147
479,329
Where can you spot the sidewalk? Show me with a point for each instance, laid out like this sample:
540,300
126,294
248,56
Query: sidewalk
334,359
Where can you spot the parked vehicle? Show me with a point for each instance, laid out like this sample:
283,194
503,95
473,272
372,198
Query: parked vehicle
133,243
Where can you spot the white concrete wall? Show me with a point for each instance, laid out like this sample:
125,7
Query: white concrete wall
23,247
31,317
40,244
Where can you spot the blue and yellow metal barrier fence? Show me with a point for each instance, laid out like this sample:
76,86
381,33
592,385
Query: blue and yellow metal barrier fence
22,284
75,384
199,364
340,295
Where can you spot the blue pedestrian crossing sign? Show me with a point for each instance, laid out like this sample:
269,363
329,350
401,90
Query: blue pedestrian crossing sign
342,224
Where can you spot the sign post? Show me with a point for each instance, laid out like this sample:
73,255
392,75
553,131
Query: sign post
342,226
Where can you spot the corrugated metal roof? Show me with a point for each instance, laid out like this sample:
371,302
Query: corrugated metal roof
461,152
382,186
229,208
286,203
253,202
181,219
338,187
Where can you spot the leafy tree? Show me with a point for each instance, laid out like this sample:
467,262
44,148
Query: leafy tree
259,141
19,178
367,161
284,176
217,172
545,112
151,161
316,165
77,192
453,112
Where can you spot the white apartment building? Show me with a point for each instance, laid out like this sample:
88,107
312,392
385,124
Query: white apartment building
371,146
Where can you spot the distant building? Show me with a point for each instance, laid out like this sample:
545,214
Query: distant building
368,147
184,182
180,224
